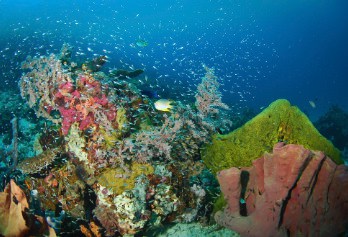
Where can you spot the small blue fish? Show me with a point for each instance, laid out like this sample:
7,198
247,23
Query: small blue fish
141,43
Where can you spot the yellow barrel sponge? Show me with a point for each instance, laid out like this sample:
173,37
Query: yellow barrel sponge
280,121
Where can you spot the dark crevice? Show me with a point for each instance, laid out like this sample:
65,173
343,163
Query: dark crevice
329,187
244,179
314,179
288,197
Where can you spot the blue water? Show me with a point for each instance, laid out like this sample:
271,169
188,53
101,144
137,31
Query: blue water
261,50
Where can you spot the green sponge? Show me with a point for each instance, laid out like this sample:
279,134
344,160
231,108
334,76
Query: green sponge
280,121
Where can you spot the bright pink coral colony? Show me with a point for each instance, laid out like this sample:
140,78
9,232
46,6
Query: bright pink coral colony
81,103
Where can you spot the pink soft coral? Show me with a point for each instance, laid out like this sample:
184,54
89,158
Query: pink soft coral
83,103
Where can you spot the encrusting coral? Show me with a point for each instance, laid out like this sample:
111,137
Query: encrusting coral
279,122
40,162
127,215
118,180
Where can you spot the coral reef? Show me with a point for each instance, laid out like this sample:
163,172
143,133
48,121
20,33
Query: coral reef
166,193
76,102
48,87
185,131
125,165
39,85
87,105
279,122
164,202
293,191
76,143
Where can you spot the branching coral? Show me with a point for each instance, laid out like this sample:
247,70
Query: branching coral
182,133
208,97
39,85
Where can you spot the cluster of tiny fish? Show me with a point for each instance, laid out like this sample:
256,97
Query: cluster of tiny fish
169,47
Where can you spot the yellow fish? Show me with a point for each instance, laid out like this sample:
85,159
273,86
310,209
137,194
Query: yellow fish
163,105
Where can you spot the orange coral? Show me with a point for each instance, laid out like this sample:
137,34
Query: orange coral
14,219
12,203
85,231
92,231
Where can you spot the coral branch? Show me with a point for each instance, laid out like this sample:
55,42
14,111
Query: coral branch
185,130
208,97
39,85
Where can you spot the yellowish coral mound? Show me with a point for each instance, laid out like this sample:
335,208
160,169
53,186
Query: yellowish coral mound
280,121
118,181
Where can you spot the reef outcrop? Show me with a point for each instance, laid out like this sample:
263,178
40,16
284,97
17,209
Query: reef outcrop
292,192
334,125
